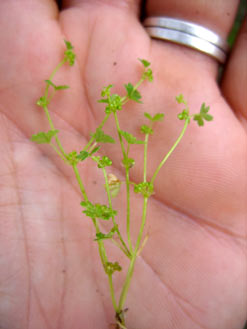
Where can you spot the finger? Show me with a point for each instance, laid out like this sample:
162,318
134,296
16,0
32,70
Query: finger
24,29
129,5
217,18
235,77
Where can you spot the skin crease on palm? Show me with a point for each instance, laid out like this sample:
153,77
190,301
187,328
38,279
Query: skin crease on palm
192,272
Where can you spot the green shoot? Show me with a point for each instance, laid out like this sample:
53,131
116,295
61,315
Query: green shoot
92,150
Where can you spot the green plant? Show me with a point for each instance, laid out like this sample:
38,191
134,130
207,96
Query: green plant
102,212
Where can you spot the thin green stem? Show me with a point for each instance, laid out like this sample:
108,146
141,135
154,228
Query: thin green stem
113,217
145,158
114,302
127,181
52,75
78,178
53,128
119,134
99,127
170,151
58,152
102,251
133,260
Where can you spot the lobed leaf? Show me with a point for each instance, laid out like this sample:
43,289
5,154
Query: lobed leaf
44,137
133,93
101,137
130,139
144,62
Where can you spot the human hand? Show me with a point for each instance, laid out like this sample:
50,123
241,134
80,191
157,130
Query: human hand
191,272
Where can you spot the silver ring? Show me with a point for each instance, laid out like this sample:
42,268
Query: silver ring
188,34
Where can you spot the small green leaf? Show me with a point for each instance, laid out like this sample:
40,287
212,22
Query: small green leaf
203,115
44,137
68,45
144,62
204,108
199,119
208,117
130,139
180,99
82,155
156,117
148,75
148,116
101,137
94,150
98,210
133,93
146,130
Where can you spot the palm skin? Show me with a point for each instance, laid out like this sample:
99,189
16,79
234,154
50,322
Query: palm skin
191,272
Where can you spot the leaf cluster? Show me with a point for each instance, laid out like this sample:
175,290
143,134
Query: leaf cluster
110,267
184,115
69,55
102,236
102,162
145,188
98,210
114,102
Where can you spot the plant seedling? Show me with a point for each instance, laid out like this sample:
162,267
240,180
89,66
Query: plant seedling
104,212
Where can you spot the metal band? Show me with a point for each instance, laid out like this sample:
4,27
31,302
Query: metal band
188,34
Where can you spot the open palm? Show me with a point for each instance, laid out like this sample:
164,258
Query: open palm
191,272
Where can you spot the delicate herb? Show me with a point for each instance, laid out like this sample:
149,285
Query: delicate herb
96,211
